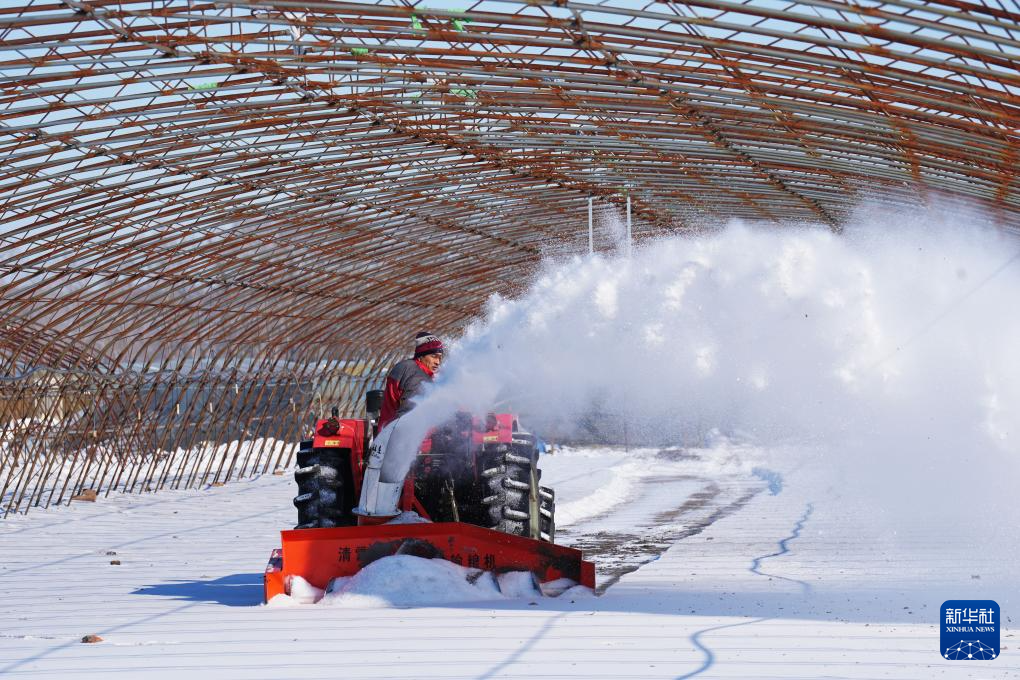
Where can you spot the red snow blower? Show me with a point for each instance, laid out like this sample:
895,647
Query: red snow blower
475,481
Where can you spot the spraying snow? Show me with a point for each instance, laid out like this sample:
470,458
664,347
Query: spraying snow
890,347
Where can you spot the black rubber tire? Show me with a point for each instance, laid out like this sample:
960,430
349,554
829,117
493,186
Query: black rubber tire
513,498
547,506
323,498
433,491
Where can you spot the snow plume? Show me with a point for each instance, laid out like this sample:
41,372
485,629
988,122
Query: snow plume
892,348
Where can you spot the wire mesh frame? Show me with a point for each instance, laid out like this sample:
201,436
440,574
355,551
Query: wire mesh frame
246,200
62,433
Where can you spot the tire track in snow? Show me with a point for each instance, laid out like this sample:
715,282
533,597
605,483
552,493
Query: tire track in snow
676,532
648,523
755,568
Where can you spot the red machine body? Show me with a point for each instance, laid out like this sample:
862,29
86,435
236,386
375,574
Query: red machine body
319,555
349,433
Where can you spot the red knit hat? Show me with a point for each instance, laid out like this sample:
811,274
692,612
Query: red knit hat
426,343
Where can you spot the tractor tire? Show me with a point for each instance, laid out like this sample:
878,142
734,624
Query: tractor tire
513,498
435,491
547,508
323,490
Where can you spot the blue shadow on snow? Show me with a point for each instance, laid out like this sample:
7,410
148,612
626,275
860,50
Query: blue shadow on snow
236,590
774,479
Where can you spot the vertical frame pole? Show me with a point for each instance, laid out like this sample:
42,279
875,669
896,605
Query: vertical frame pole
591,232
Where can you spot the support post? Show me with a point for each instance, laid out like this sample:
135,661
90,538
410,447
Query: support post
591,232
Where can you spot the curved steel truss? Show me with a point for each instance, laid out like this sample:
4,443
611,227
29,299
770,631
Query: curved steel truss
216,214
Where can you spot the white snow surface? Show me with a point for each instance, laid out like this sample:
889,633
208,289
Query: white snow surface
706,573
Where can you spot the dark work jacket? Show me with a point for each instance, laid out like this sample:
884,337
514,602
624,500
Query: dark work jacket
404,382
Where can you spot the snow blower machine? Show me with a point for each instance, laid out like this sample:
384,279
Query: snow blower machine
474,483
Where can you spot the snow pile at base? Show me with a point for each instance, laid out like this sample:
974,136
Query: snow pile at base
409,517
406,580
518,584
303,592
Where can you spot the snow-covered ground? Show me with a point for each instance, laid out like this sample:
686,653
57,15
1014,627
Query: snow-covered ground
711,562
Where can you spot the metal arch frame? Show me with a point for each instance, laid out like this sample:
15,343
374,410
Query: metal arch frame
216,215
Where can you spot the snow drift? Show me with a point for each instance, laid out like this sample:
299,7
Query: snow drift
410,581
